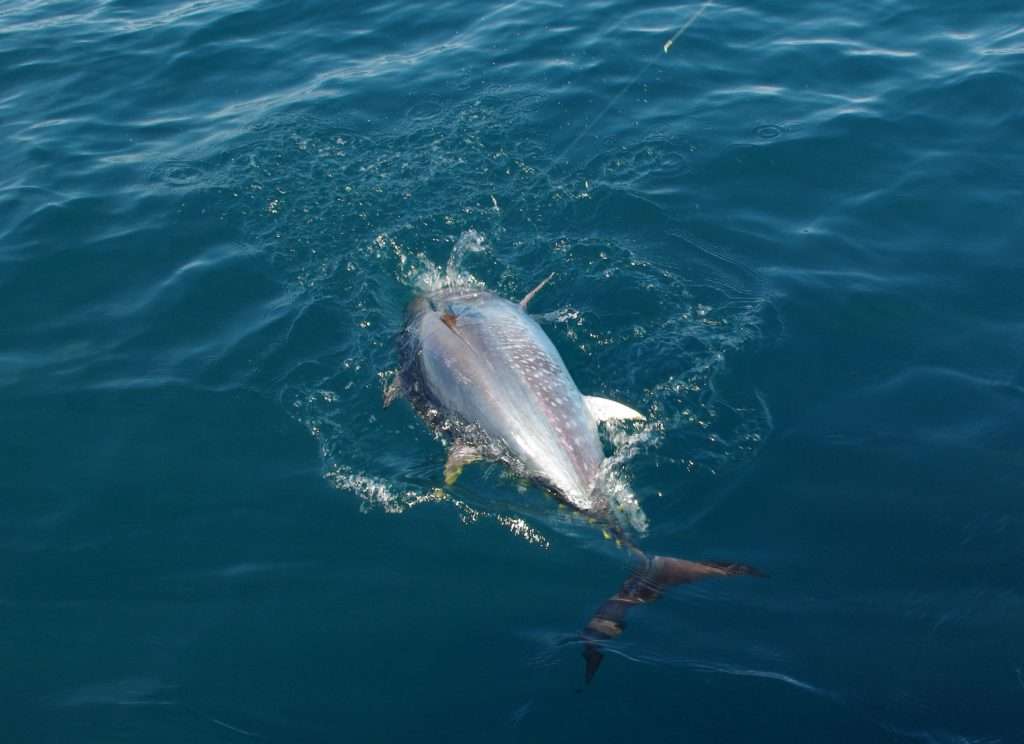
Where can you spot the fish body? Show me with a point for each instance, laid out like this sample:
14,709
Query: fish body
478,367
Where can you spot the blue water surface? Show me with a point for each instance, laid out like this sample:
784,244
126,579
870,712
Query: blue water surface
791,237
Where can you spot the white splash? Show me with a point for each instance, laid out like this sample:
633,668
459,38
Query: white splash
627,438
378,493
469,242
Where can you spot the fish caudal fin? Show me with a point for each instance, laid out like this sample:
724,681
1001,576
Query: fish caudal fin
648,581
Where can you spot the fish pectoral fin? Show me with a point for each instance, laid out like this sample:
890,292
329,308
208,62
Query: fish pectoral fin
603,409
530,295
459,456
393,391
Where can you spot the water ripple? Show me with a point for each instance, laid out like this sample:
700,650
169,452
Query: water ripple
791,236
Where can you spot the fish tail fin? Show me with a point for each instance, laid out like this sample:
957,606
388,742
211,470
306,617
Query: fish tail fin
649,579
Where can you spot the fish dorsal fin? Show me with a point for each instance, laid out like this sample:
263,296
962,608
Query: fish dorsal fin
460,455
529,295
603,409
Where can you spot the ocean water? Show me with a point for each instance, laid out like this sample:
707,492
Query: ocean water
792,237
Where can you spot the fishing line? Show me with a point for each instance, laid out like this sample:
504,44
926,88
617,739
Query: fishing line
664,50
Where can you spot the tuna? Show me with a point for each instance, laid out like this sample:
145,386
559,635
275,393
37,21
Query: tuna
481,372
